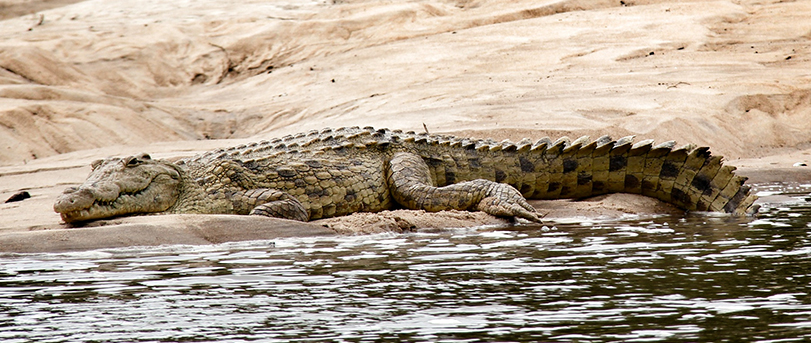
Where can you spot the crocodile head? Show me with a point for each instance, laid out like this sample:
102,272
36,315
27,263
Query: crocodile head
121,186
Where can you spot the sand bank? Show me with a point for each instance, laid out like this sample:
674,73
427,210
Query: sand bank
100,78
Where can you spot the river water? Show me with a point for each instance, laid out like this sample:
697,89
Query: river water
670,279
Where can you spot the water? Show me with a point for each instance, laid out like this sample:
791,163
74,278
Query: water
700,278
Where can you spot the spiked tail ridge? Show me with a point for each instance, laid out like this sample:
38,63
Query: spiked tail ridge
688,177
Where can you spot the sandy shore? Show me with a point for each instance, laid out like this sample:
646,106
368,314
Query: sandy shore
91,79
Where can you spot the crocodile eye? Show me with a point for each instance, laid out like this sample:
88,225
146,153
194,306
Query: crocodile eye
132,162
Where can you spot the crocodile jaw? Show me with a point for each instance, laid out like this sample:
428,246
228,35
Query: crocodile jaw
115,188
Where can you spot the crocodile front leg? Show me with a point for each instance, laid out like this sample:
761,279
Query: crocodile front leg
411,185
270,203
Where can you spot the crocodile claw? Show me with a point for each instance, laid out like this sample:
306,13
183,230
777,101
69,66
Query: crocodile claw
505,201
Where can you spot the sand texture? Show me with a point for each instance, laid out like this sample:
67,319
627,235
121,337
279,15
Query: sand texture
91,79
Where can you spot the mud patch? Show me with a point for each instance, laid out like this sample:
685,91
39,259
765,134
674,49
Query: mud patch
399,221
156,230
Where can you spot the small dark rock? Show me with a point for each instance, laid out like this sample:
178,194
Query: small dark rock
19,196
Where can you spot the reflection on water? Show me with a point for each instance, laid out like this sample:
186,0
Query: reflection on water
700,278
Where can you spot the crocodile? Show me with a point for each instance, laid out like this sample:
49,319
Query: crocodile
336,172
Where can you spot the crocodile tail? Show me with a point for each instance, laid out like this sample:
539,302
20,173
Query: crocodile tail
690,178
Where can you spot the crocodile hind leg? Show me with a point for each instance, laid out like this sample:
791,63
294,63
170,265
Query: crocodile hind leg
270,203
411,185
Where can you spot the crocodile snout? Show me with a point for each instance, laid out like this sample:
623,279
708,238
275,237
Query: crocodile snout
74,199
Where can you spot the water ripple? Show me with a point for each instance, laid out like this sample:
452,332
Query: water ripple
698,278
